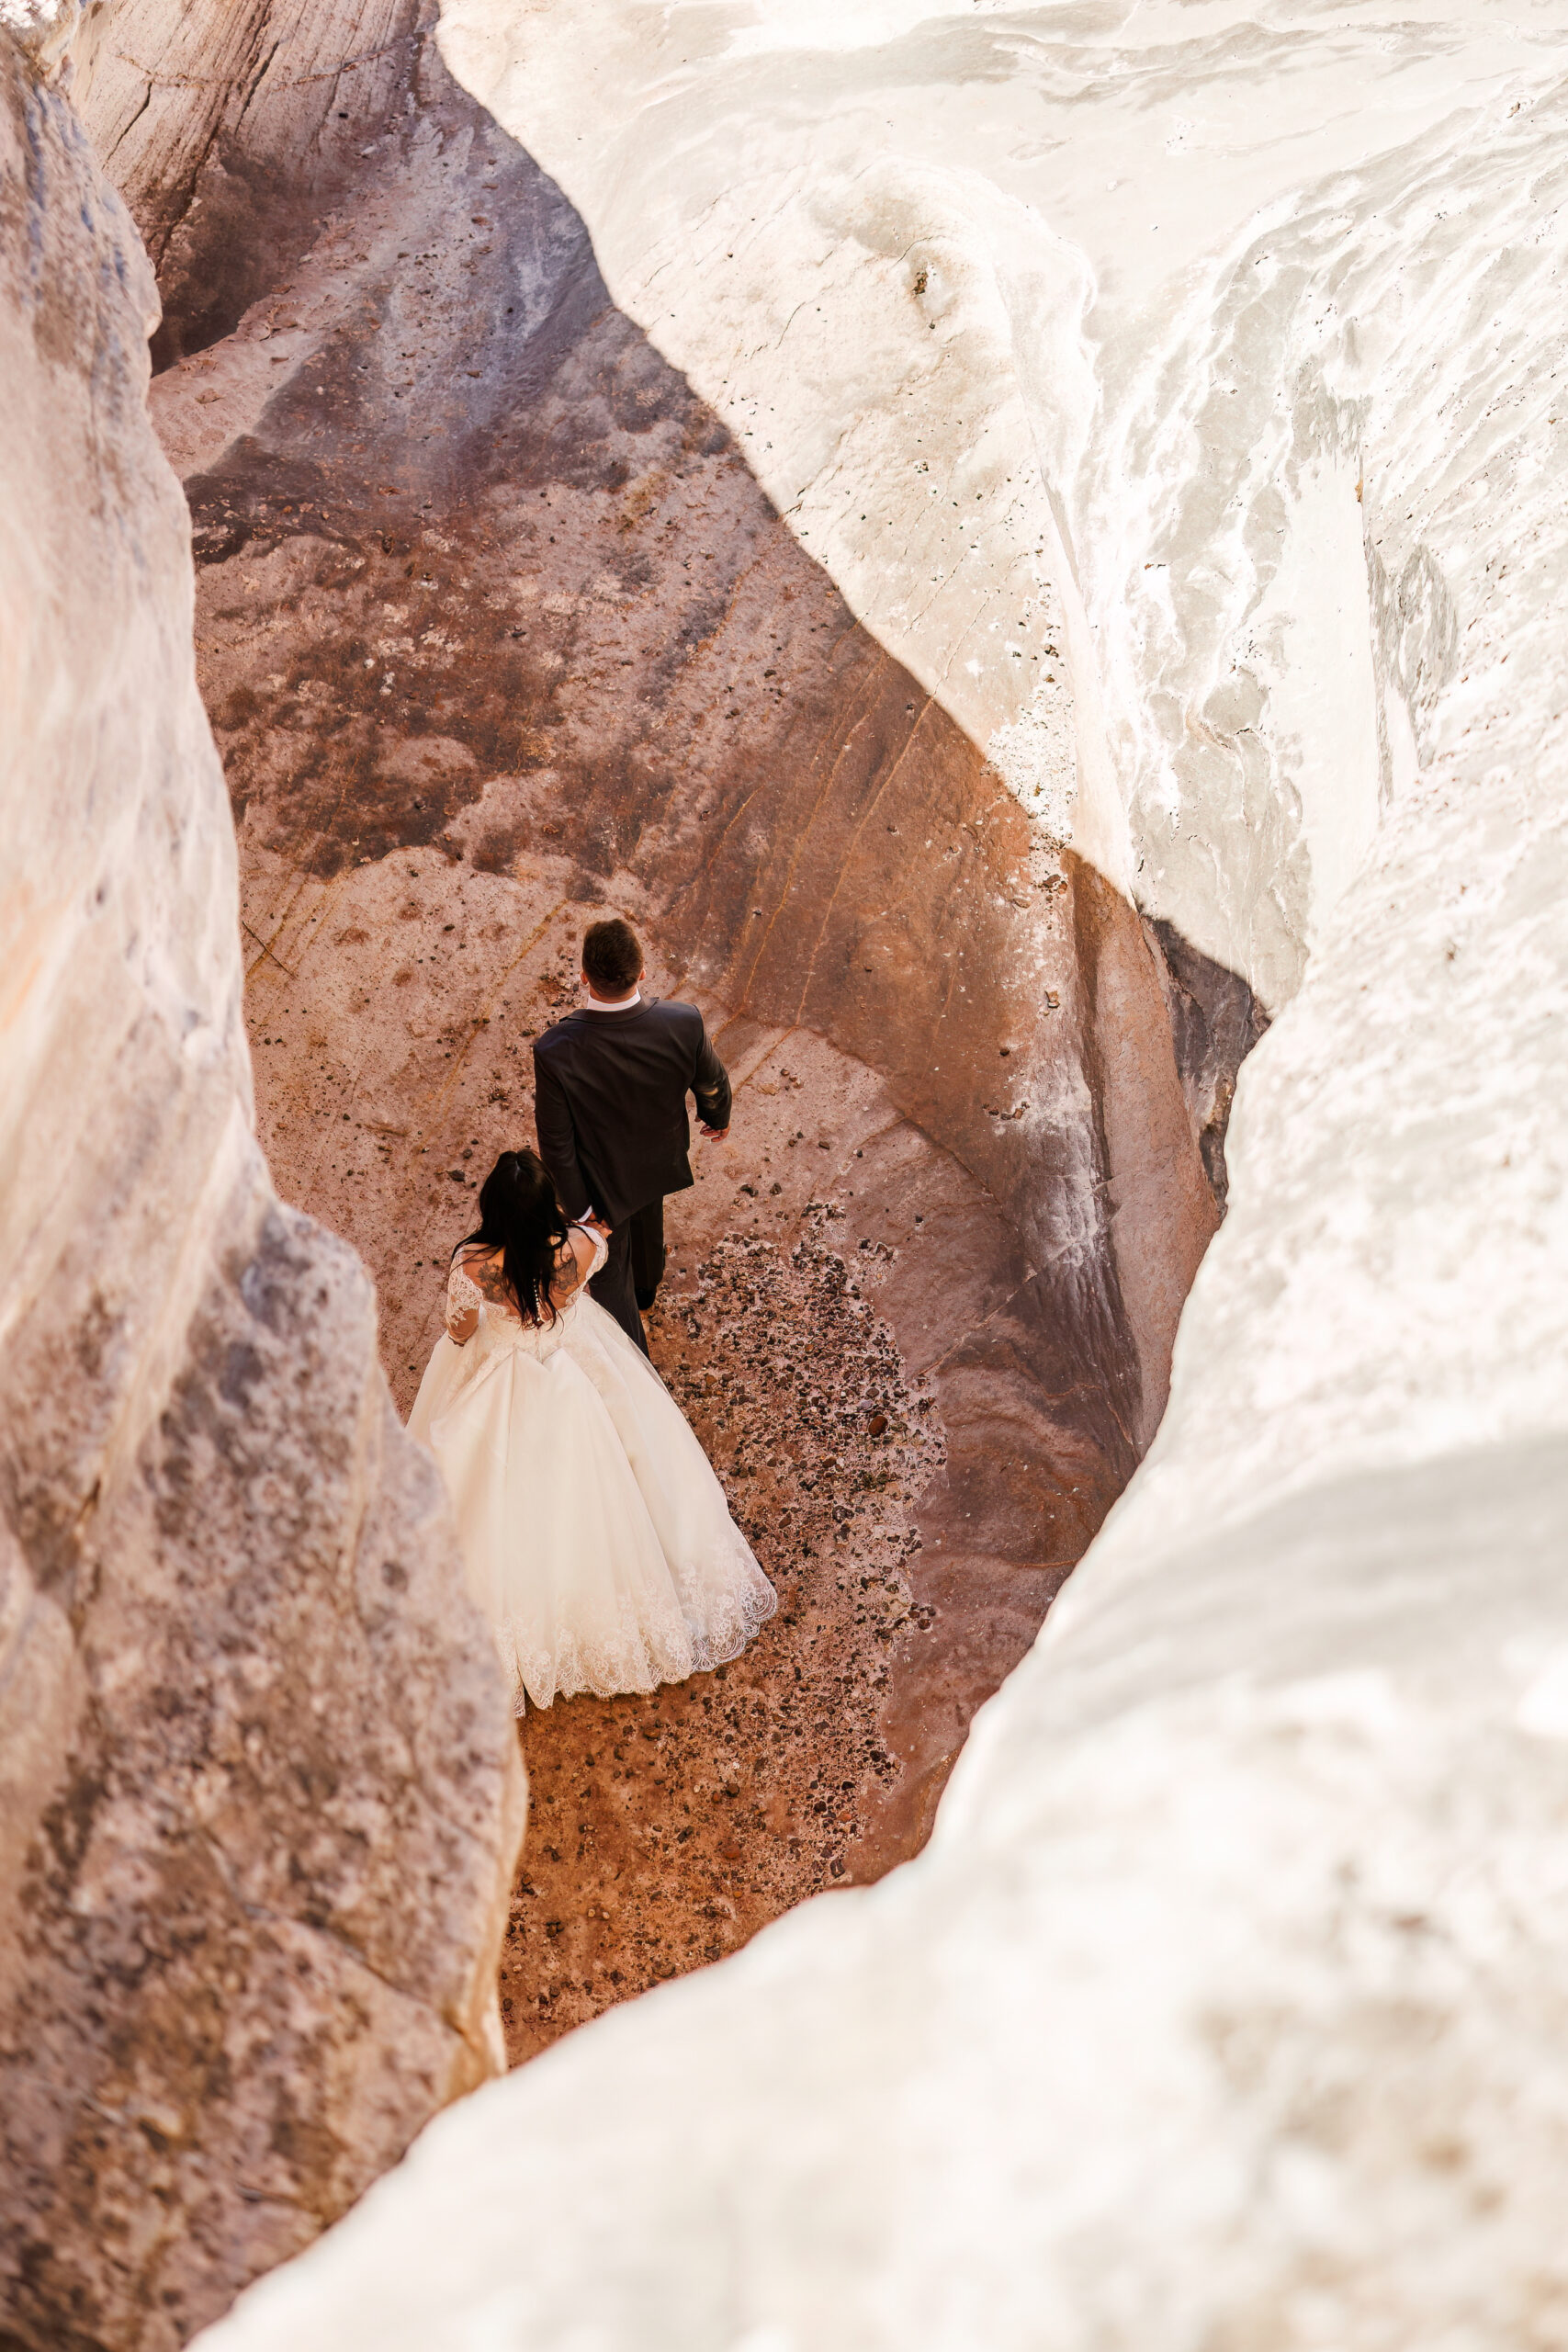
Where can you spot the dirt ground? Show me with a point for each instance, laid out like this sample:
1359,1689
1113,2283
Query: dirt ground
666,1830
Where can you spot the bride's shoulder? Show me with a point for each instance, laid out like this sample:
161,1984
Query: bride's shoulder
486,1269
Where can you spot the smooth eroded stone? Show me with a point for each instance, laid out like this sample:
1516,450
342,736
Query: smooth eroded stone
258,1785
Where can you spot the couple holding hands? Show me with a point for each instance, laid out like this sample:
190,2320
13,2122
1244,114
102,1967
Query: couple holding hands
595,1536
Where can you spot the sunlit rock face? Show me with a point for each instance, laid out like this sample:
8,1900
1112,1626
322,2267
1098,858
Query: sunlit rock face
258,1790
1031,325
1226,2006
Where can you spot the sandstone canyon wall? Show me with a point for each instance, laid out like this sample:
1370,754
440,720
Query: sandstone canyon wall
258,1787
1225,2006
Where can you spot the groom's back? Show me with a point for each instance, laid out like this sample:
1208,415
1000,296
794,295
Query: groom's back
610,1101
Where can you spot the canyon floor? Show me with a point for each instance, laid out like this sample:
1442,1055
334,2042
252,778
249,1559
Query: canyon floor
666,1830
829,1273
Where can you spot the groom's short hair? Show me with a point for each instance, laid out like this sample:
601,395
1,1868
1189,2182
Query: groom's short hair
612,956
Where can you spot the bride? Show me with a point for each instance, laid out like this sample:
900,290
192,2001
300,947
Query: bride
595,1536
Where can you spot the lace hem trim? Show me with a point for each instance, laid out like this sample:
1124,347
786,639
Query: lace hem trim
645,1649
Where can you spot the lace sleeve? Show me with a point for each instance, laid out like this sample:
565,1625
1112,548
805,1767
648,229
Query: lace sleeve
601,1251
464,1300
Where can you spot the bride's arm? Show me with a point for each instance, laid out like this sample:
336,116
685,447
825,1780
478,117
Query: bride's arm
583,1257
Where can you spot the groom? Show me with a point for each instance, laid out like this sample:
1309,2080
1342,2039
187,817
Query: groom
609,1084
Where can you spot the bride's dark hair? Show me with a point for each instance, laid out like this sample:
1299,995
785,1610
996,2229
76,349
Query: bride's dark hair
520,1215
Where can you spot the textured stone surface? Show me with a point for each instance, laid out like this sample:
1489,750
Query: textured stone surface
229,129
1225,2006
258,1789
496,629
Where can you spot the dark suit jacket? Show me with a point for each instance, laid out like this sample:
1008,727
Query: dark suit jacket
610,1104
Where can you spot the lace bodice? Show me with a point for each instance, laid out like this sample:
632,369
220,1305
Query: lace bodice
477,1282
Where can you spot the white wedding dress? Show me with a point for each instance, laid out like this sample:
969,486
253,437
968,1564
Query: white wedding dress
596,1538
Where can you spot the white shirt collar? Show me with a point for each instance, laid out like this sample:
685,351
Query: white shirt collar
622,1004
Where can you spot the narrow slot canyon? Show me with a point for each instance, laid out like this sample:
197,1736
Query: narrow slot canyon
1040,598
497,631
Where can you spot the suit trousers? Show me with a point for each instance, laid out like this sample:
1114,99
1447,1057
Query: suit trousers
629,1278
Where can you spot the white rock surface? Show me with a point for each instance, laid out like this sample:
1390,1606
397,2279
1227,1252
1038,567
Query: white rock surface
1227,2006
259,1793
964,280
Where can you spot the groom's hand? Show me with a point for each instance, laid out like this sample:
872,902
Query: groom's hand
714,1135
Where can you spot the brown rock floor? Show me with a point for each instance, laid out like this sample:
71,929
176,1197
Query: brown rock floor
666,1830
